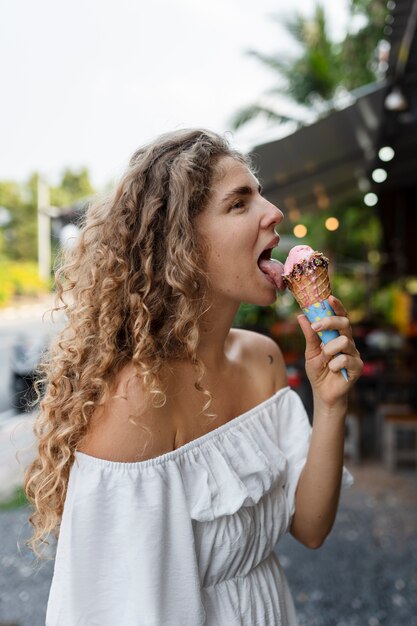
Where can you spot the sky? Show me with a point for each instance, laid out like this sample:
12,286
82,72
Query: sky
86,82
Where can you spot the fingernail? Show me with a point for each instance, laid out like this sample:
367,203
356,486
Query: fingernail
316,325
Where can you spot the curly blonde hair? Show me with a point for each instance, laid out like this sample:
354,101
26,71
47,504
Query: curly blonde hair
133,291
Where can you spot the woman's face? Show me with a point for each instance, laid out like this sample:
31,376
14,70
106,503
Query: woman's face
238,225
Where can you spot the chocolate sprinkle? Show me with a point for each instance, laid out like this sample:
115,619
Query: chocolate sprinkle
308,266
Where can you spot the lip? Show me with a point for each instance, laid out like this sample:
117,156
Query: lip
272,244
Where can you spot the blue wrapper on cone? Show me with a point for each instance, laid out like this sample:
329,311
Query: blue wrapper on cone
315,313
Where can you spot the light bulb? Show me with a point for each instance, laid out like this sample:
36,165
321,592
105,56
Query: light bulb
379,175
332,223
370,199
300,231
386,153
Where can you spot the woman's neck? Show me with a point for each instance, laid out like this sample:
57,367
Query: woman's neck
214,334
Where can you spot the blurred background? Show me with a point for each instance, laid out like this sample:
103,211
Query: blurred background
324,95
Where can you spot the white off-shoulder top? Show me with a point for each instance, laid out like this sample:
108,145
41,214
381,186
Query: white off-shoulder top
186,538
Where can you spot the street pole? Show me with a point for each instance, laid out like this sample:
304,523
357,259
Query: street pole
44,231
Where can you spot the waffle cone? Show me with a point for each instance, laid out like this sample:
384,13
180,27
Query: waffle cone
307,290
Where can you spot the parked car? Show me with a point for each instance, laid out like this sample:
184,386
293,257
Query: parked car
24,362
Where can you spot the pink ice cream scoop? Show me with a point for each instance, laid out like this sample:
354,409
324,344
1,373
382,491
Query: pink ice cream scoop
296,255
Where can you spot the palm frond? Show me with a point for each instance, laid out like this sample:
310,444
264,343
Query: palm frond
249,113
282,65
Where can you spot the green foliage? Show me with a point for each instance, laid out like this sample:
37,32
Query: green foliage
316,71
20,279
359,232
16,500
73,186
358,49
18,237
252,316
352,291
246,114
384,299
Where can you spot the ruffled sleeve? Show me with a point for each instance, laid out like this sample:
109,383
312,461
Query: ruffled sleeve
293,438
126,551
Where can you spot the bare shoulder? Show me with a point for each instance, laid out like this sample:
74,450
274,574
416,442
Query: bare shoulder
126,429
264,353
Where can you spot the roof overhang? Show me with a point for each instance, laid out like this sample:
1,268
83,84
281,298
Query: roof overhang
328,162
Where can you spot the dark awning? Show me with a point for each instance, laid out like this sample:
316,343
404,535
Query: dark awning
327,162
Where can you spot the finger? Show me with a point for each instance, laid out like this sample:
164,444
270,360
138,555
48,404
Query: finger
313,341
334,322
342,344
353,365
337,306
339,309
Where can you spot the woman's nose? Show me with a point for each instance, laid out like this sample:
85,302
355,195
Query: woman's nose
272,215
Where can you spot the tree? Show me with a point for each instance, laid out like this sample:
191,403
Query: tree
73,186
18,238
358,49
19,235
313,77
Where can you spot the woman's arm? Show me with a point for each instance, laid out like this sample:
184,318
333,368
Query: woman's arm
318,489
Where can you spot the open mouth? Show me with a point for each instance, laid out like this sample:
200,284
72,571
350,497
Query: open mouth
265,255
272,268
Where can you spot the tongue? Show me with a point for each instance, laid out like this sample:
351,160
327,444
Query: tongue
274,269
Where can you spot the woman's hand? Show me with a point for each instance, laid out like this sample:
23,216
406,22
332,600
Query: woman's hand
322,366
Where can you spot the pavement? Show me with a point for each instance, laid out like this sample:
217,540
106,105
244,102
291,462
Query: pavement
25,306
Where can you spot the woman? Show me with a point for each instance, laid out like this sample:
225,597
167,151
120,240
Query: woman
172,453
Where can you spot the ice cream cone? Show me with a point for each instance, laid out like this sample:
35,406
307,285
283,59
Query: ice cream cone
309,282
310,288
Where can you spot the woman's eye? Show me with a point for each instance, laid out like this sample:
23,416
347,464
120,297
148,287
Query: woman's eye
239,204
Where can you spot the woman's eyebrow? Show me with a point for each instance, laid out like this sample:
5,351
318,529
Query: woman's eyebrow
244,190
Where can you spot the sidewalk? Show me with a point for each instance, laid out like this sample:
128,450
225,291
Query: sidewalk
366,572
23,308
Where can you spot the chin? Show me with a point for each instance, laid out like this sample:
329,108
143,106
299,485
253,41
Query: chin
269,301
265,299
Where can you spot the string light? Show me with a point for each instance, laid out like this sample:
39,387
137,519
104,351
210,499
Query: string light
300,231
370,199
386,153
332,223
379,175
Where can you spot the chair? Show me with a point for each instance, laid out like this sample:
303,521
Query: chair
395,424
